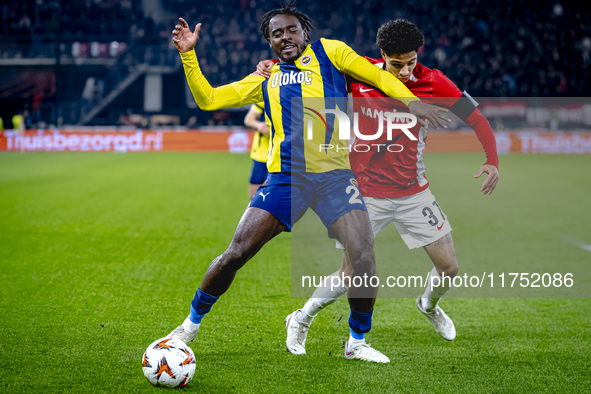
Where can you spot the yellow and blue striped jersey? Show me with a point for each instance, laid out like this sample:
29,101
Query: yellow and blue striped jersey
295,92
259,150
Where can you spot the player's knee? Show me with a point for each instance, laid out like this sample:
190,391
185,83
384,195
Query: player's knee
232,259
454,268
345,271
450,268
363,262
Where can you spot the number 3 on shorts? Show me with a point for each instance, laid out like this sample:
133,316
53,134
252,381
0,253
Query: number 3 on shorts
428,212
354,198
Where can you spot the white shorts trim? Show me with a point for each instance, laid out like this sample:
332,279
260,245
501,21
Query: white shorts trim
418,218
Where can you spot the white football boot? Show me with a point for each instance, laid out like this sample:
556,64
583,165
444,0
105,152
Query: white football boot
366,353
184,335
442,323
296,334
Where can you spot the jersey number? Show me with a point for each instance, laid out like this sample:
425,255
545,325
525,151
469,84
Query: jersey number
428,212
353,199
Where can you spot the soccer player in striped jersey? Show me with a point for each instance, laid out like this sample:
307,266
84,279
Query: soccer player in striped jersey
393,184
255,119
300,176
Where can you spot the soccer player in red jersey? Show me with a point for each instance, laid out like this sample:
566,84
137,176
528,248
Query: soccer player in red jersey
393,183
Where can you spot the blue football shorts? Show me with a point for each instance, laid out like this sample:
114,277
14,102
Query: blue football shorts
288,196
259,173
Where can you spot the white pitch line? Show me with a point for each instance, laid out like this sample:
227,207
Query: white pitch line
586,247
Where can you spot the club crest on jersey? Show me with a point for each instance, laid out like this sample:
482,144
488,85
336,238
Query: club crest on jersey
292,77
354,182
305,60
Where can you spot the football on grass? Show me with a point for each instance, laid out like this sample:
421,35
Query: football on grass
168,363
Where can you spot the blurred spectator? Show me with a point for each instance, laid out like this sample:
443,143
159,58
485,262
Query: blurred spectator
31,27
27,123
488,49
131,119
18,122
506,48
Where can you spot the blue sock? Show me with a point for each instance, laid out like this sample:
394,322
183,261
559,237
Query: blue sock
357,335
360,324
201,305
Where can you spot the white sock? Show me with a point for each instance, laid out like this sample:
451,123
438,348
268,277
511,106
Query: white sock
353,343
431,298
323,296
189,326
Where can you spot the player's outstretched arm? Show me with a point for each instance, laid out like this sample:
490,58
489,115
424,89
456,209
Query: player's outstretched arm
432,113
237,94
361,69
348,61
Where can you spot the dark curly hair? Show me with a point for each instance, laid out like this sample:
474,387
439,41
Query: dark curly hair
399,36
287,9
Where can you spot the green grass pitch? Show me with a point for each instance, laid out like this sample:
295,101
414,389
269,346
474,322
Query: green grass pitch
100,254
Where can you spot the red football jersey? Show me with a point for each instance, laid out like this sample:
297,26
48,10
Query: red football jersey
395,168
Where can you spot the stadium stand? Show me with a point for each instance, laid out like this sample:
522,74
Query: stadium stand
90,59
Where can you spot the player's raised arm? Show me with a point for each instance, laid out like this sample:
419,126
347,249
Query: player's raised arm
184,39
237,94
359,68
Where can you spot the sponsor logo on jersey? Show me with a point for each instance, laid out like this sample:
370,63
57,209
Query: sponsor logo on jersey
290,78
398,117
305,60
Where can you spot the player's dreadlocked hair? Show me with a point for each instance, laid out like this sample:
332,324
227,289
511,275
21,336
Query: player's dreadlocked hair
399,36
288,9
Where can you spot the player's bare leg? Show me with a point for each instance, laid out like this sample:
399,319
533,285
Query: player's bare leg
443,255
256,228
354,231
252,189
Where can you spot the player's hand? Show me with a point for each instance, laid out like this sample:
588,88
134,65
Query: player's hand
433,113
491,180
264,68
263,128
183,39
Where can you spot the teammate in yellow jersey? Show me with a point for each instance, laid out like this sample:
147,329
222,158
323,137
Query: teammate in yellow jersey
300,178
255,119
